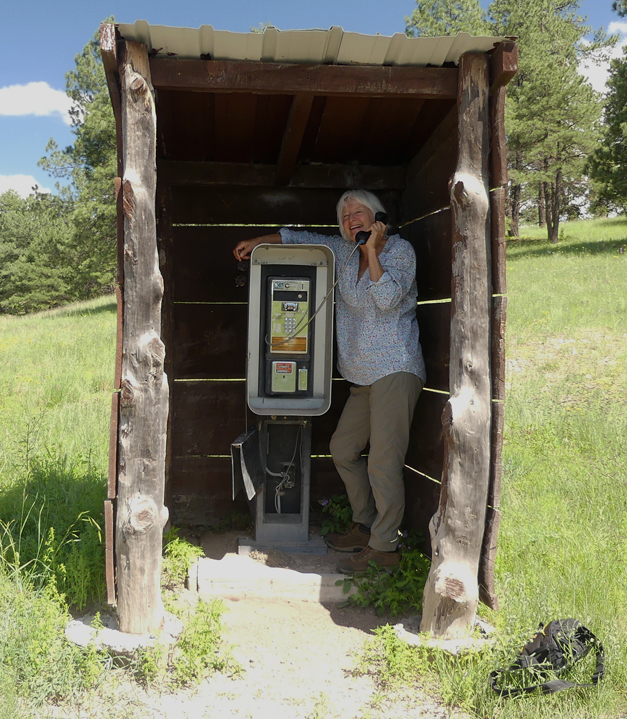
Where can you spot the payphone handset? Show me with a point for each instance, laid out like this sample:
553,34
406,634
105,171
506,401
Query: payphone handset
289,343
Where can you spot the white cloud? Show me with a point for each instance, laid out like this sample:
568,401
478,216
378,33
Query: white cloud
617,28
35,98
597,74
22,184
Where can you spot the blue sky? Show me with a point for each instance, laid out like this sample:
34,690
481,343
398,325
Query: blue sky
42,37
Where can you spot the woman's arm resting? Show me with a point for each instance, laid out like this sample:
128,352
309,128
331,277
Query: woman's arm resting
242,249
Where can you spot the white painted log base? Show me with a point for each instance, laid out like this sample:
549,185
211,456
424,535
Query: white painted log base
141,514
452,593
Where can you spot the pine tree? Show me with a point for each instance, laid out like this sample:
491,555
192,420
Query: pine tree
608,164
36,251
620,7
435,18
90,166
552,114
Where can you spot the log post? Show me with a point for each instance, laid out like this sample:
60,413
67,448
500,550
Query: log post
451,594
141,514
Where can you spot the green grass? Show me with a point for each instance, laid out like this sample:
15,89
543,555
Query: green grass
56,379
563,538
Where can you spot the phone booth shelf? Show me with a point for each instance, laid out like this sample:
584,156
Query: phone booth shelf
227,136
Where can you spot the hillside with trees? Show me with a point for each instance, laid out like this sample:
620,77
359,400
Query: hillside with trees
566,149
553,116
59,248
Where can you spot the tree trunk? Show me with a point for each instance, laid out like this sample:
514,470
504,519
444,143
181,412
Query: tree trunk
552,195
541,205
515,194
547,204
451,594
141,513
514,227
555,207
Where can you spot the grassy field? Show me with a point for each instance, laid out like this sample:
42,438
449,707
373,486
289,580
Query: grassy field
563,538
56,379
562,549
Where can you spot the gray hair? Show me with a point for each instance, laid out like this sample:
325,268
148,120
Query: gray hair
372,202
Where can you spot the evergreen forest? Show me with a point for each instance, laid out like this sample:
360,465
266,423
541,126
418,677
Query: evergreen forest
566,151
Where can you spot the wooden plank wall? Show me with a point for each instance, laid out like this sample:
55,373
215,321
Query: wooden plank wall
425,220
206,339
207,336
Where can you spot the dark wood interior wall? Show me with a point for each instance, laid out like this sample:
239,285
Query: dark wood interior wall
425,220
208,330
208,340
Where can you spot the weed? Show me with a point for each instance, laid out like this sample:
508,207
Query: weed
8,697
33,650
397,591
321,708
179,555
198,652
338,514
392,661
561,548
200,646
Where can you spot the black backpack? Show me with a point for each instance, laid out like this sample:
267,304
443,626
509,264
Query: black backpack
555,648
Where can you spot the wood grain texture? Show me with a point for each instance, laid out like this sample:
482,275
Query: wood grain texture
330,175
141,514
426,450
434,322
209,342
431,239
109,521
293,137
498,145
487,592
499,311
503,65
452,592
112,473
283,78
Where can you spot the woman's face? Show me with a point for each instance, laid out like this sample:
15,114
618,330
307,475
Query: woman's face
355,218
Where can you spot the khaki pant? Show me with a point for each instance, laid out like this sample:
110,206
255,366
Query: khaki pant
380,413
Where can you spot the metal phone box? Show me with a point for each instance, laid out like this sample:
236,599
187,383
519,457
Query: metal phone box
290,330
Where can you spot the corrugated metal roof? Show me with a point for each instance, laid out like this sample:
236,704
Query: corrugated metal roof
333,46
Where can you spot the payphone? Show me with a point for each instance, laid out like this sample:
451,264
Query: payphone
288,381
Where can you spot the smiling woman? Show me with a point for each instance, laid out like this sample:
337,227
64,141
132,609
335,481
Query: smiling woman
379,353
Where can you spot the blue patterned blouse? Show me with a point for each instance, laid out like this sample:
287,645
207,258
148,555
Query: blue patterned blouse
377,331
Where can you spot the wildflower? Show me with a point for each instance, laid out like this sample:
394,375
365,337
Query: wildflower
324,502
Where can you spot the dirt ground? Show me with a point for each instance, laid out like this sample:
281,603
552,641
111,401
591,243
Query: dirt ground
297,659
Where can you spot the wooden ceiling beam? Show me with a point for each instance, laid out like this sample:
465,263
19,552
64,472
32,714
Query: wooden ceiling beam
341,177
292,79
293,137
